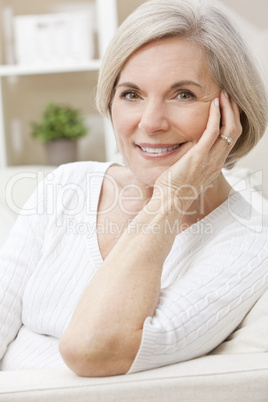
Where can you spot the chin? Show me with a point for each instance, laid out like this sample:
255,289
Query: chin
149,176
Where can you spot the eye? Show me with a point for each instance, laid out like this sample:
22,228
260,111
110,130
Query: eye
185,95
130,95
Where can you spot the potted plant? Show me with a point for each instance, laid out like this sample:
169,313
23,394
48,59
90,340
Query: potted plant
59,128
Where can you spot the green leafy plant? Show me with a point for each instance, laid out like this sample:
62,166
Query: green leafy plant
59,122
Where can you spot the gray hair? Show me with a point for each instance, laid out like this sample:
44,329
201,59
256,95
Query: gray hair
208,25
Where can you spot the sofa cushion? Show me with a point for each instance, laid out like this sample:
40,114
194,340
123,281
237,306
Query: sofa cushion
251,336
250,185
223,378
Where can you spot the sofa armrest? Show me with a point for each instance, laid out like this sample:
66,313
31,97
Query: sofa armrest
239,377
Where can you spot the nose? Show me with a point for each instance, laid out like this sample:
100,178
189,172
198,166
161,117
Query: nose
153,118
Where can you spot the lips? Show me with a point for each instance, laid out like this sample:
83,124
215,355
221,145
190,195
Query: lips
158,149
161,150
158,152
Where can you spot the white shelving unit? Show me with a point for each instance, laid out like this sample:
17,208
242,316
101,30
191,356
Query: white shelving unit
15,70
106,25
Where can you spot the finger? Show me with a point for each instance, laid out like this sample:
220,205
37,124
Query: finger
230,124
212,131
228,118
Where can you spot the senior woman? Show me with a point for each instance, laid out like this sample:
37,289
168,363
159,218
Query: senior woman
173,258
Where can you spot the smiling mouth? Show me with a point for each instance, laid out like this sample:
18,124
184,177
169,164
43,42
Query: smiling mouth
158,150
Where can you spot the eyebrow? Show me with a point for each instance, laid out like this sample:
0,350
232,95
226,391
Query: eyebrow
186,82
127,84
176,85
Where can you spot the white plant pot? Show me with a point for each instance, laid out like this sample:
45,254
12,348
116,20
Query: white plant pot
61,151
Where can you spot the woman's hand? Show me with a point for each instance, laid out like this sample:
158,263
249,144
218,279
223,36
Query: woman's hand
203,162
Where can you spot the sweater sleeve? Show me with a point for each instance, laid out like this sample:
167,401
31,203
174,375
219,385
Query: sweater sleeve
196,313
18,258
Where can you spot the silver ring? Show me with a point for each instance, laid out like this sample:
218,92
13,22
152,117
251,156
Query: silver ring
227,139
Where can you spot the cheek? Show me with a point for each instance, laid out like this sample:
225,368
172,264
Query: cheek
123,118
193,120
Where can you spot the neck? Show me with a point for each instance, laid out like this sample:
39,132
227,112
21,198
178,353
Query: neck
209,199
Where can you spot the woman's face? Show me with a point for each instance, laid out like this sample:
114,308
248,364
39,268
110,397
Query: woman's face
161,105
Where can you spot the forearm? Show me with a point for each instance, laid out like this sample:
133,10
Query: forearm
109,318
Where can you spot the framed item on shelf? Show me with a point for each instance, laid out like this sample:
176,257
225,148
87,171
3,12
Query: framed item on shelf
61,38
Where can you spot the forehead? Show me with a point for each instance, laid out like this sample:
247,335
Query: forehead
167,58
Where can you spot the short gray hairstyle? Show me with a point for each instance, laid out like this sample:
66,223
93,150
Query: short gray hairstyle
206,23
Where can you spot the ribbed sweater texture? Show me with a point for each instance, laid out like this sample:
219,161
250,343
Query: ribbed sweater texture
215,272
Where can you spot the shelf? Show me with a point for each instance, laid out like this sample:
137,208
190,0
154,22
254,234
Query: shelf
16,70
106,25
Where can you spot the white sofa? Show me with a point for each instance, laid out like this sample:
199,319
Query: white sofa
236,371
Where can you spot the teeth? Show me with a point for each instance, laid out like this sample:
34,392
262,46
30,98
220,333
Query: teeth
158,150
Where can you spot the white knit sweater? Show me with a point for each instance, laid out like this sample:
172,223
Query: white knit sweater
217,269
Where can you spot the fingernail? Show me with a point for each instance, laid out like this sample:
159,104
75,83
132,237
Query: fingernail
217,102
225,93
